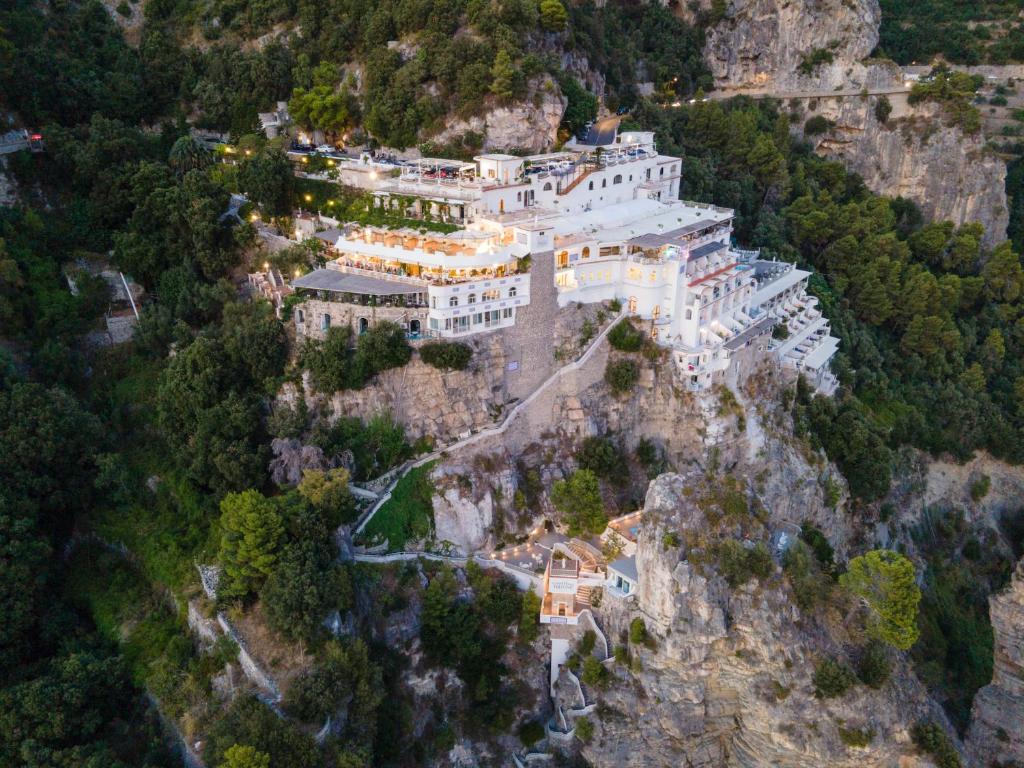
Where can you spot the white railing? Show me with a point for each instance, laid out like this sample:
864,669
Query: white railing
498,429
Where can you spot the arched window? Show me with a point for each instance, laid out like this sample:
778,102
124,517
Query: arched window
453,301
364,324
471,299
547,186
590,186
585,253
563,259
604,183
512,292
661,171
325,322
300,316
617,179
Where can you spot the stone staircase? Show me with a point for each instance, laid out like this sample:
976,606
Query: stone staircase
583,597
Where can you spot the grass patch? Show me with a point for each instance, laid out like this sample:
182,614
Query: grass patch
408,514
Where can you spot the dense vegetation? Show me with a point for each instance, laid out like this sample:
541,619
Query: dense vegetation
162,447
931,352
964,33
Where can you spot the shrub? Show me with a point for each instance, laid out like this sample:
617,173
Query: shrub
626,337
670,540
588,642
810,586
832,679
637,631
578,498
621,375
932,740
446,355
531,732
602,457
814,59
856,737
594,672
873,668
883,108
738,565
823,551
384,346
528,617
817,124
126,10
980,487
584,730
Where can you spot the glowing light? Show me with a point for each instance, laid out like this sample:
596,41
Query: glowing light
373,175
308,198
305,159
266,266
248,152
254,217
298,272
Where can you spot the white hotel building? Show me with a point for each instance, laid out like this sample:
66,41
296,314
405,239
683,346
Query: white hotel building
610,222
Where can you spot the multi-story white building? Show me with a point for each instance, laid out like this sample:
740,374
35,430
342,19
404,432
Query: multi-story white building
610,221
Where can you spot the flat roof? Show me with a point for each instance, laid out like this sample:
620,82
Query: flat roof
707,249
329,236
657,239
627,567
343,282
496,156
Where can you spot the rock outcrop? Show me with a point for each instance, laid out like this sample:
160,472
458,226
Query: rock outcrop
764,43
530,125
727,678
464,511
917,155
996,735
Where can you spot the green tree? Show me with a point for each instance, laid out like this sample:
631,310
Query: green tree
621,375
503,75
187,154
831,679
241,756
267,179
578,498
885,581
553,16
251,529
303,588
329,493
384,346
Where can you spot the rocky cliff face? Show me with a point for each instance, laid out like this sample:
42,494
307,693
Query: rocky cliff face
996,734
918,156
728,680
763,43
530,125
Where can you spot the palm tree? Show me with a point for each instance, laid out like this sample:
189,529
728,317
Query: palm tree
187,154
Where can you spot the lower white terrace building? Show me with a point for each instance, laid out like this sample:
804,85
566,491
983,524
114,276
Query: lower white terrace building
609,221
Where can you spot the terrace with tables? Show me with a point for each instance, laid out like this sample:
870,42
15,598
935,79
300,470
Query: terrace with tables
425,258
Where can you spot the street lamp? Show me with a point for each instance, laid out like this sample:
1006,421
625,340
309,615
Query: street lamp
308,198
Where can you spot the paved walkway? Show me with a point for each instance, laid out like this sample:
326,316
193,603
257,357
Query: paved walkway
529,344
767,93
510,416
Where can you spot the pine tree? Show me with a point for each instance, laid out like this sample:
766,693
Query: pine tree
553,15
251,529
503,74
884,580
